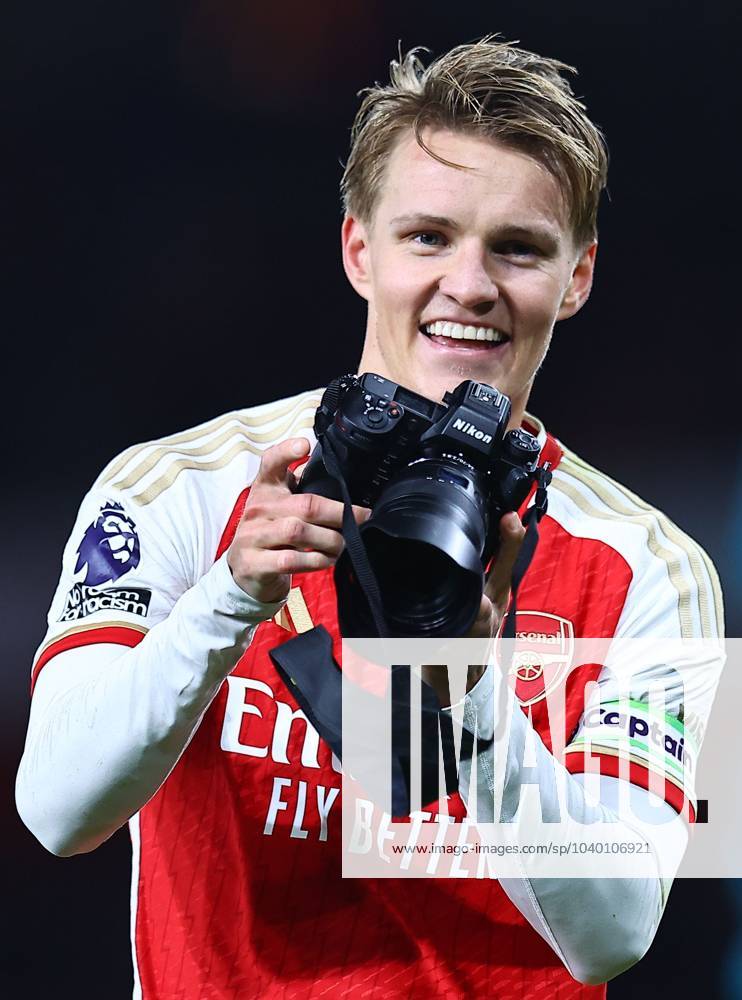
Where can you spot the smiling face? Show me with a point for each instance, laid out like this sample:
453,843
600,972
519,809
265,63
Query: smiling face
465,271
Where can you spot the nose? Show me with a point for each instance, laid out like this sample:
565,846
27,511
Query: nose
467,280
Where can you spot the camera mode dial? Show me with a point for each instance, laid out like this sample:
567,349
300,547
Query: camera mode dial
380,414
520,446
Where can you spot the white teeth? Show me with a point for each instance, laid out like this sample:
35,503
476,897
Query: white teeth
457,331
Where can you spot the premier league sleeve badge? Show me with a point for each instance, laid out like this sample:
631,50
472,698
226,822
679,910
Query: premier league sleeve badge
108,550
109,547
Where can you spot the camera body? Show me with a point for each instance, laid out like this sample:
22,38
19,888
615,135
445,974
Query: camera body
438,477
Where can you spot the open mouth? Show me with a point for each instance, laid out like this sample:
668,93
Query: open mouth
460,337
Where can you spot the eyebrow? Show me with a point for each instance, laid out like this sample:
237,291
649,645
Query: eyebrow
420,218
544,235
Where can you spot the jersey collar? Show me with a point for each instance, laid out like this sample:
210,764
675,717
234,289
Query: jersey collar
551,449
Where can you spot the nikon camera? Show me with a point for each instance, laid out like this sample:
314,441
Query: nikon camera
438,477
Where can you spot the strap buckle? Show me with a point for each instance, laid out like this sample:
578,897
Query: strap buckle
541,499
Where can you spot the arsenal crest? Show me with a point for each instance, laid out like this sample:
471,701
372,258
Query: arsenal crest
544,646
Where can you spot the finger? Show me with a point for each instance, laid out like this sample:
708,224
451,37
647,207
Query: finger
512,534
483,626
293,533
361,514
266,564
274,465
314,509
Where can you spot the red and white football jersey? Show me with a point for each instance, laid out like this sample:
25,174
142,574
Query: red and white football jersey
236,888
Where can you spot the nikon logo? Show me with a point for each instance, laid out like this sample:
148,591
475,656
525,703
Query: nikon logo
468,428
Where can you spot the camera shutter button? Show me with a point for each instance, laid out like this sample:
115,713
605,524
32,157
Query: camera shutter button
374,417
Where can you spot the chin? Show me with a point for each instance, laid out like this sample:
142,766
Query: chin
436,386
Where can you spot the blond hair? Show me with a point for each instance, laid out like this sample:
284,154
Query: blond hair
490,88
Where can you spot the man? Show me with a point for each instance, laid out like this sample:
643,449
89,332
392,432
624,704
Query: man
471,195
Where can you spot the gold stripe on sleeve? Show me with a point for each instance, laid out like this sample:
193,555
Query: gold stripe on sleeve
697,557
212,445
166,480
87,628
246,419
653,521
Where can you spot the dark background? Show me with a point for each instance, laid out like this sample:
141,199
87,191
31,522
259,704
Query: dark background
171,251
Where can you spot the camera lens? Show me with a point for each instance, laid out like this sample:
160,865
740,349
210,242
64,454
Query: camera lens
424,541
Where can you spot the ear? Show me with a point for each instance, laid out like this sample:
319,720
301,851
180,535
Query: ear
354,241
578,289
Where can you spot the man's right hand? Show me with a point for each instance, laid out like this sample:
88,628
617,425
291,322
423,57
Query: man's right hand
281,532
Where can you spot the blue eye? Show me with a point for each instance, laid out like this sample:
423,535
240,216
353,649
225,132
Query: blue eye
427,239
514,248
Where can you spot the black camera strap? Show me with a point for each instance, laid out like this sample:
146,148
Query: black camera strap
354,543
307,667
531,519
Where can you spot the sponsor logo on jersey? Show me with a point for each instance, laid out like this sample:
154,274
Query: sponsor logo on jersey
543,653
109,547
258,724
83,601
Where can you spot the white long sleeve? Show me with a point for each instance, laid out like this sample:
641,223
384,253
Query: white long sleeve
108,724
599,927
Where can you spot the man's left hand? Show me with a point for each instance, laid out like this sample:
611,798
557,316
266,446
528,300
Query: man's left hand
492,608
